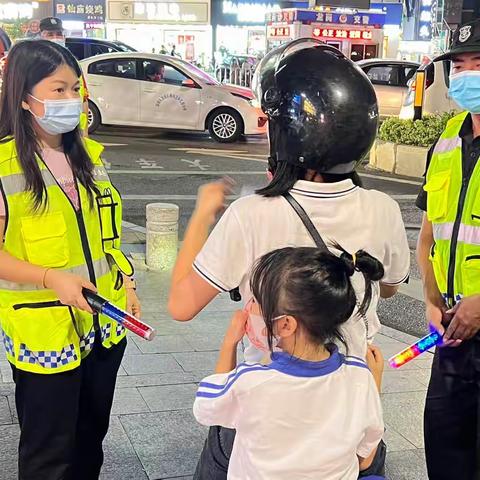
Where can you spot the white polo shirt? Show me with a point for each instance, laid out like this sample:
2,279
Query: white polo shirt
295,420
356,218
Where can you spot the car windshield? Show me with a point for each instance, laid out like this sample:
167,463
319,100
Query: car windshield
195,71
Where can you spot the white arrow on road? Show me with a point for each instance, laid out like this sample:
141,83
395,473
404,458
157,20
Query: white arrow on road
236,154
196,164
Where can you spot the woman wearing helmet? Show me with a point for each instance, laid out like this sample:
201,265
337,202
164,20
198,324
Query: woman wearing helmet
323,119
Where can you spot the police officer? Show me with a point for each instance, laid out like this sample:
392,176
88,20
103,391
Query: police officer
51,28
323,118
449,258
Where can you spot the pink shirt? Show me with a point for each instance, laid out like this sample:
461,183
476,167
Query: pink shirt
58,164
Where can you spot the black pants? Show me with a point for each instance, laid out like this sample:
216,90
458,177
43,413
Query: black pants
215,457
64,417
451,422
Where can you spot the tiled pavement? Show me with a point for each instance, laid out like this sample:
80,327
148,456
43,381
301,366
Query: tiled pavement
153,434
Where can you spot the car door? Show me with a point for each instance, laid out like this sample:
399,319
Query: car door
114,88
387,82
165,100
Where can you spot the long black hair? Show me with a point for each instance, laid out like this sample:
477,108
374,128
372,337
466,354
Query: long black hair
313,286
28,63
285,175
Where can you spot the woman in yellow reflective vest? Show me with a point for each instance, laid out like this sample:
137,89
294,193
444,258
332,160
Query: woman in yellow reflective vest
60,226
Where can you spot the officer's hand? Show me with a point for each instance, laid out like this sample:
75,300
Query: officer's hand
68,288
438,317
465,323
211,199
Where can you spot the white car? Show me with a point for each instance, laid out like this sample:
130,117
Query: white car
390,80
148,90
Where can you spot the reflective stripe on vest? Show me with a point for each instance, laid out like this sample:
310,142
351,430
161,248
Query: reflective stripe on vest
453,208
39,333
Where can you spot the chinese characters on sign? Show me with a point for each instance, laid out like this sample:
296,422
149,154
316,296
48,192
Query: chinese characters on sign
279,32
342,34
425,19
81,10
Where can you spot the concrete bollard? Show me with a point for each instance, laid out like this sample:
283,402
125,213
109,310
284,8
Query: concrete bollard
162,235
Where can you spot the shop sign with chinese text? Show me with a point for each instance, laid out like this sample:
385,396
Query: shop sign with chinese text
342,34
80,10
311,16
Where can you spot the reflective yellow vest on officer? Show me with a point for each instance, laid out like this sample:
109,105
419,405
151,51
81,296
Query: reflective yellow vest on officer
40,334
453,208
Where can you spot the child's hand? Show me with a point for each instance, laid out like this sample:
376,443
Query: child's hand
375,363
236,330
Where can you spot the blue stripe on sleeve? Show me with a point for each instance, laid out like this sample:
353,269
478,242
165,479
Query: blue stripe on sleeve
356,364
216,386
356,358
227,387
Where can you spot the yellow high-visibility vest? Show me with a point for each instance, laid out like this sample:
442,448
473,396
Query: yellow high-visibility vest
40,334
453,208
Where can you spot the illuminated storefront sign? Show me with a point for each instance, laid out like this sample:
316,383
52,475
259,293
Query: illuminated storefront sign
248,12
342,34
12,11
80,10
159,12
310,16
279,32
425,18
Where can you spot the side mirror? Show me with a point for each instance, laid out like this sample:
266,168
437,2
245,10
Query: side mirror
189,83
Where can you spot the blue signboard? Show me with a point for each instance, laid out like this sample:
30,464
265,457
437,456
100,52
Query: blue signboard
393,12
311,16
80,10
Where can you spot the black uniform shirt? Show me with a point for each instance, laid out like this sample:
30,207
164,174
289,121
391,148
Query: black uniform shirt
470,155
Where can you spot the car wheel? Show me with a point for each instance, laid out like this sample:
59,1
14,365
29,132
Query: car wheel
94,119
225,125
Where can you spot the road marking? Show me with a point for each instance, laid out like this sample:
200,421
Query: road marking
413,289
114,144
197,163
404,197
236,154
147,163
390,179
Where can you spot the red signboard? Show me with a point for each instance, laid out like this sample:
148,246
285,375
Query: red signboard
342,34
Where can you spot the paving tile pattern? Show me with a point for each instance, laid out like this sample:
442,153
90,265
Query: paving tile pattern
153,434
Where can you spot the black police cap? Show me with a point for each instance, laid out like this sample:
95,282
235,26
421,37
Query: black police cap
51,24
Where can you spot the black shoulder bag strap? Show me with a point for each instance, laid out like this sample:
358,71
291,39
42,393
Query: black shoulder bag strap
306,221
315,236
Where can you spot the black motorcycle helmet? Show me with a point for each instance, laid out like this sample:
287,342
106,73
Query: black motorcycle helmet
321,107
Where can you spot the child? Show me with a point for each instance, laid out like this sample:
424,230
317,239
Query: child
60,224
313,413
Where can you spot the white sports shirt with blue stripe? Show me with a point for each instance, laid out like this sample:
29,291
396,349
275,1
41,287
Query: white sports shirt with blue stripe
295,420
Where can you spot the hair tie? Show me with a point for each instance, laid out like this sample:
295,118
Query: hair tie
354,259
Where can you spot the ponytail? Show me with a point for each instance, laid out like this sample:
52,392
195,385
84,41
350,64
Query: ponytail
371,268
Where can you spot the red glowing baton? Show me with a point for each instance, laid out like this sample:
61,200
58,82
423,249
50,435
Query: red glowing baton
413,351
102,305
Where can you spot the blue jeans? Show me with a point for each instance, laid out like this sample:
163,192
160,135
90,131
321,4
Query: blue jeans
215,456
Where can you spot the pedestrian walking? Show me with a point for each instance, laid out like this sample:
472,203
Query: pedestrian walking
305,295
60,224
449,258
323,118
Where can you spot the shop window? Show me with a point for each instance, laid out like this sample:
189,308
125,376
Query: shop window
114,68
161,72
384,75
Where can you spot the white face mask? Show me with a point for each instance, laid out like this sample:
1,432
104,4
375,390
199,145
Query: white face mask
256,329
59,41
61,116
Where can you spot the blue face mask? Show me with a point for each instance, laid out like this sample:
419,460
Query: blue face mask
61,116
465,90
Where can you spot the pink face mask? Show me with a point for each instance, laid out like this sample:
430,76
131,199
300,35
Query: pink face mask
256,329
